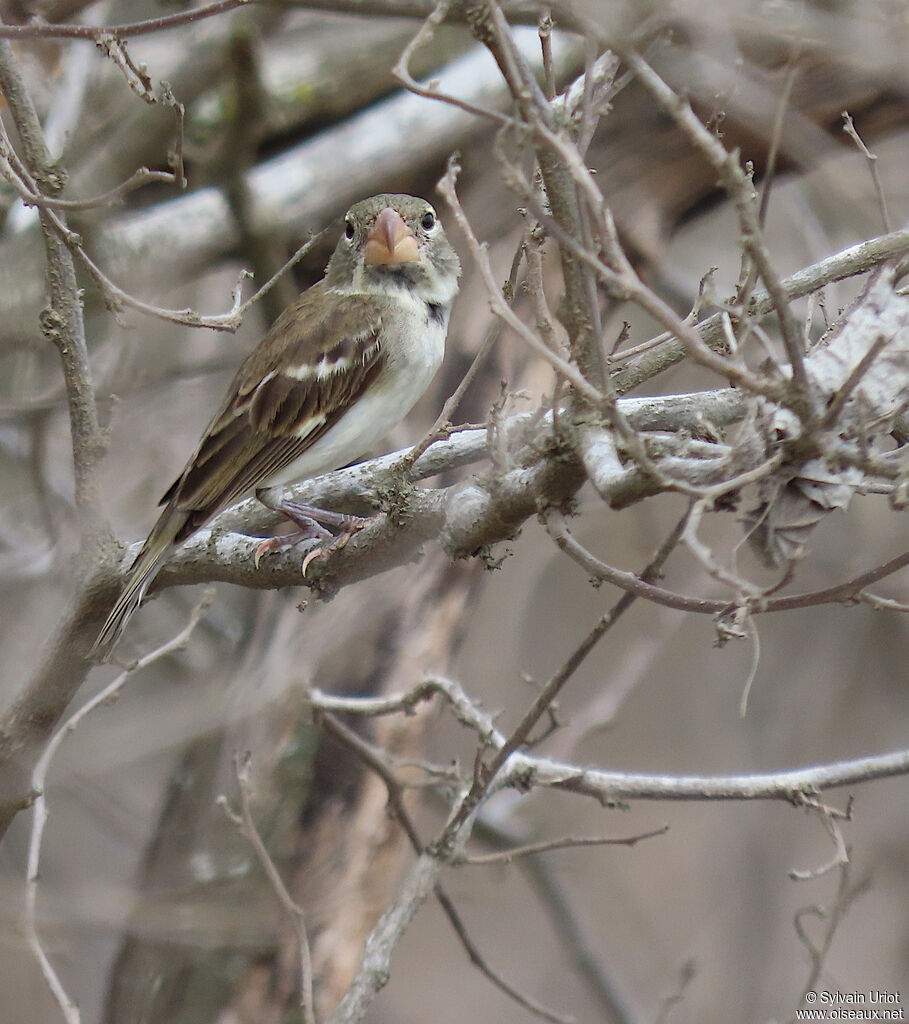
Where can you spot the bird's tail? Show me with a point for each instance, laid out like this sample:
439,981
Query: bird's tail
144,569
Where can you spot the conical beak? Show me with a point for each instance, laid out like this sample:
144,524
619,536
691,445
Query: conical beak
390,241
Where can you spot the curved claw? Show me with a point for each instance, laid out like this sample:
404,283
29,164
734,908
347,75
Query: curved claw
266,545
310,557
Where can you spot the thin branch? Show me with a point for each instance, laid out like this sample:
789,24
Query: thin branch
791,71
550,690
175,156
742,588
565,843
845,896
524,770
246,823
497,301
850,129
625,285
557,160
137,79
114,295
118,298
881,603
465,710
544,31
524,12
39,786
840,593
830,817
401,71
857,259
476,958
14,171
94,33
143,176
373,969
581,951
740,190
377,761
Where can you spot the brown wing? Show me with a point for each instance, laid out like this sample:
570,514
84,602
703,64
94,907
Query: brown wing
317,359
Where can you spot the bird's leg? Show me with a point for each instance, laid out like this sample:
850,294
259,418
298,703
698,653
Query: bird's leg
340,521
312,523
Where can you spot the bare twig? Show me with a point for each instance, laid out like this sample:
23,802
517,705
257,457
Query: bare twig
117,298
93,33
136,77
857,259
850,129
465,710
623,284
175,156
476,958
39,785
246,823
143,176
372,971
740,190
497,301
581,950
401,70
378,762
790,73
565,843
838,593
846,895
526,770
830,817
544,30
876,601
487,771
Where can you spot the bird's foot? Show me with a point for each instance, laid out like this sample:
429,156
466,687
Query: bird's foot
338,542
312,524
312,531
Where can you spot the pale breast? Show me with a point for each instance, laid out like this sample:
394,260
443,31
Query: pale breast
414,344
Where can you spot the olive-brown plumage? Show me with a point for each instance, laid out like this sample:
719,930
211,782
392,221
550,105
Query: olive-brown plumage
337,370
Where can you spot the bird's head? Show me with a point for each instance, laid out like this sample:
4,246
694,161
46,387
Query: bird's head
391,242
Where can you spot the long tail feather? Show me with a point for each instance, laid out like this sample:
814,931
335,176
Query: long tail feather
146,567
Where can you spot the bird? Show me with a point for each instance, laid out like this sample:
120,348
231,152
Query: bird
339,368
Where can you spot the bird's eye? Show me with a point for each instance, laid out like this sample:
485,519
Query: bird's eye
348,230
429,220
